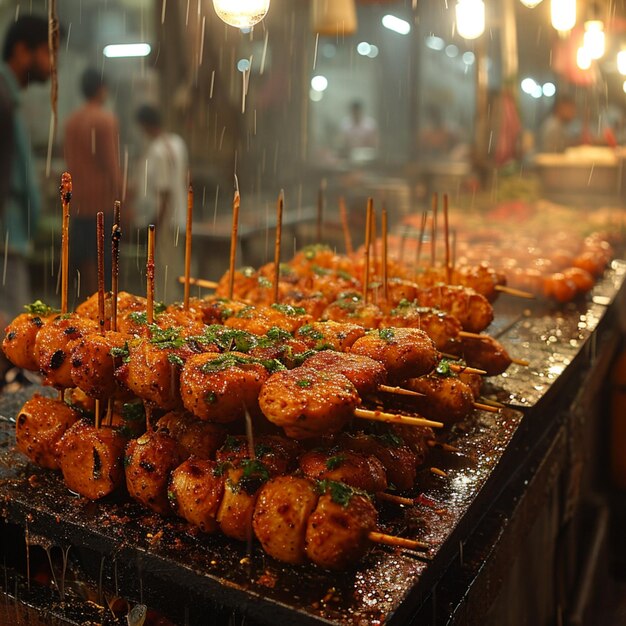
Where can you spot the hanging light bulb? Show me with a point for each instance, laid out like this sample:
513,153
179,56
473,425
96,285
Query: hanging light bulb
621,62
563,14
531,4
470,18
593,39
241,13
583,59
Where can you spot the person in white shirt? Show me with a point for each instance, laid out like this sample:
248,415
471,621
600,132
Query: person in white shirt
358,131
162,199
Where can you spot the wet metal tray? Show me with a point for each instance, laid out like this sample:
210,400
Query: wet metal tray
165,564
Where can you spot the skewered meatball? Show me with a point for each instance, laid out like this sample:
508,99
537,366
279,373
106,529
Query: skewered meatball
416,438
93,366
364,373
217,310
485,353
241,487
281,515
398,460
330,335
149,461
471,309
351,308
446,398
200,439
362,471
221,387
308,403
20,338
473,381
260,319
53,347
278,454
39,426
195,492
337,533
92,459
405,352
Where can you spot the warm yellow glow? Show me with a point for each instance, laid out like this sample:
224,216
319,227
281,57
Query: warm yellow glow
563,14
583,60
531,4
241,13
470,18
624,86
621,62
593,39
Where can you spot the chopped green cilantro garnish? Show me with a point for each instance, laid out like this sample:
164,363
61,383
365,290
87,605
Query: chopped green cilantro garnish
123,352
227,360
174,359
303,383
264,282
133,411
387,334
221,468
334,462
39,308
339,493
289,310
166,338
443,368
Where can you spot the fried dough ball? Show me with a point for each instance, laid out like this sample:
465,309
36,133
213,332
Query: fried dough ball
92,459
278,454
446,398
39,426
195,493
197,438
282,511
19,341
307,403
405,352
331,335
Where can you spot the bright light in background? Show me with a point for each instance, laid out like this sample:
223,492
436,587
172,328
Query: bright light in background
241,13
470,18
621,62
316,96
583,59
468,58
563,14
593,39
528,85
329,50
363,48
373,53
243,65
549,89
402,27
435,43
531,4
120,50
319,83
624,86
452,51
537,92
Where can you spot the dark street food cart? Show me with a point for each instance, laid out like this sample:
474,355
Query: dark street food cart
516,504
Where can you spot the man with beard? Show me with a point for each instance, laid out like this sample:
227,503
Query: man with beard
25,60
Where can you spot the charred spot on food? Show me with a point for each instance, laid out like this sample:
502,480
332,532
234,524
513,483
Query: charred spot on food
11,336
57,359
97,465
76,362
146,465
71,330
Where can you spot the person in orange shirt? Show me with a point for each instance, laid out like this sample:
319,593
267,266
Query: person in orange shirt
92,156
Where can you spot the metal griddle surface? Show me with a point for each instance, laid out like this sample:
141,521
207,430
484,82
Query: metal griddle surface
389,584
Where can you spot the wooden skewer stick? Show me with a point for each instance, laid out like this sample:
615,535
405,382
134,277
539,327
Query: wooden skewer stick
420,242
368,243
393,418
199,282
486,407
279,230
374,237
433,443
97,411
489,401
188,246
343,212
389,497
403,238
465,335
233,244
446,232
514,292
100,252
437,472
400,391
150,276
385,253
321,200
433,230
463,368
521,362
66,196
116,236
397,542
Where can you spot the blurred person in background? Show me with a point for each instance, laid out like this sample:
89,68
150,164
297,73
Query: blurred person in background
91,147
25,60
161,198
359,133
556,134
